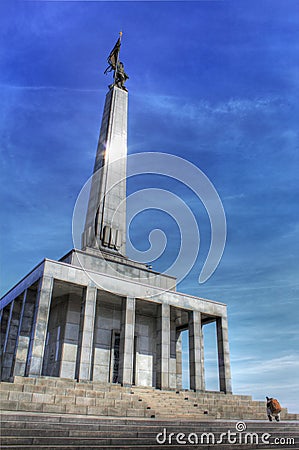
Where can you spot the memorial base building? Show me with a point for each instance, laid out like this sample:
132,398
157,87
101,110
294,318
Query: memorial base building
57,322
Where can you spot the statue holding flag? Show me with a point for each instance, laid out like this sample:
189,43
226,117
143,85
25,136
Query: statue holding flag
120,75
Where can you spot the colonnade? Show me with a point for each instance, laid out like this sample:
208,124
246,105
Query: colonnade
24,324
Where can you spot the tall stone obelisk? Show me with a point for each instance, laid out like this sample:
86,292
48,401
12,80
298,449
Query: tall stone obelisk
105,226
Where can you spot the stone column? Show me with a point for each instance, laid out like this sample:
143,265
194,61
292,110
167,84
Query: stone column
1,329
19,319
25,327
86,347
1,325
5,314
163,346
39,327
179,367
6,361
195,355
127,341
172,367
10,308
223,355
202,359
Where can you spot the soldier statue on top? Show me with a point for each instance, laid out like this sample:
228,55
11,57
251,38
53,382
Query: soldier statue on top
120,75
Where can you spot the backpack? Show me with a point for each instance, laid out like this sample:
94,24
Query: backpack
275,406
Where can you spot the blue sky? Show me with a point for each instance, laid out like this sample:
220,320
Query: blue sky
215,82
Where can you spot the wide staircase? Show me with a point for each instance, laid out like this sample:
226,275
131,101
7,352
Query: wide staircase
54,413
42,431
65,396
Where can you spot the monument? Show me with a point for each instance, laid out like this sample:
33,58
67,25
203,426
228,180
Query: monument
95,314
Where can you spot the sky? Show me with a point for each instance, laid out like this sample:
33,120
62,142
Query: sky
213,82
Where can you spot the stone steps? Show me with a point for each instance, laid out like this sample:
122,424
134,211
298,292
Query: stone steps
65,396
213,405
51,431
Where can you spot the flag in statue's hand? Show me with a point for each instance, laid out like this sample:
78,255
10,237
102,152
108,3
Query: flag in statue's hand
113,57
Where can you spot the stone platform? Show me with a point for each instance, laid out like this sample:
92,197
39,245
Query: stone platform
65,396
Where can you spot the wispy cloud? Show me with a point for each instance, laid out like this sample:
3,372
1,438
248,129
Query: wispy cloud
265,366
48,88
240,107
